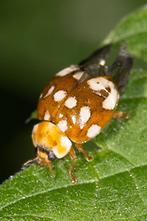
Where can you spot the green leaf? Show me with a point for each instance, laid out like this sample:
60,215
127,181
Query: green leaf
114,185
132,30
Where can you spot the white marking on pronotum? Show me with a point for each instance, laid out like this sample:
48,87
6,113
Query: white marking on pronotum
66,144
85,114
67,70
59,95
49,91
71,102
35,128
46,115
62,125
93,130
78,75
101,83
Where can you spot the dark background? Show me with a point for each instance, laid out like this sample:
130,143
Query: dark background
38,38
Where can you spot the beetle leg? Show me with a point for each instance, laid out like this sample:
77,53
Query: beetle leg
30,162
48,164
73,157
120,115
43,160
84,152
40,161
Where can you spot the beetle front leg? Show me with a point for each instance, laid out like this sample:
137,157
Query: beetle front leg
30,162
71,170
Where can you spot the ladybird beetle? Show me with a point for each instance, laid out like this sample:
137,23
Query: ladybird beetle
77,104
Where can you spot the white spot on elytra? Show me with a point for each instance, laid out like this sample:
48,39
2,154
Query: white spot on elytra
49,91
47,115
111,101
65,143
60,115
85,114
59,95
101,83
73,117
78,75
67,70
71,102
93,131
62,125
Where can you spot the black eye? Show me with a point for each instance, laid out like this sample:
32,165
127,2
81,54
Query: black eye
51,155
